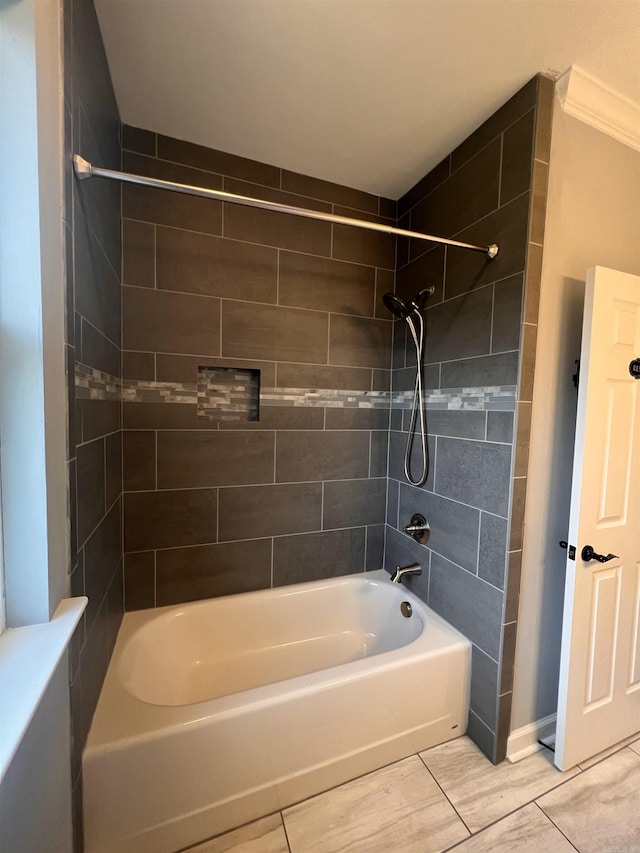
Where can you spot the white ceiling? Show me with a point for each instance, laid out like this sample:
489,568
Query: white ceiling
368,93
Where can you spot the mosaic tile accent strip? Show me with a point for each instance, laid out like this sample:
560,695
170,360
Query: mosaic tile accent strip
222,401
93,384
230,392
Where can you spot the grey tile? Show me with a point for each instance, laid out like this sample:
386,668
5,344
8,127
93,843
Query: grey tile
457,423
385,283
158,321
281,417
175,210
265,332
199,459
184,368
113,467
97,287
363,816
215,266
454,527
205,571
523,101
468,194
95,418
354,503
481,735
501,369
399,345
359,342
393,493
269,228
217,161
178,172
508,228
139,580
99,352
471,605
388,207
527,830
313,556
139,457
493,549
507,663
474,472
381,380
514,569
102,556
507,310
402,550
599,808
139,140
338,418
500,427
251,512
397,449
364,247
252,190
517,153
310,282
424,186
306,456
379,454
375,548
91,487
164,416
335,193
138,253
318,376
460,328
138,365
484,687
425,271
168,519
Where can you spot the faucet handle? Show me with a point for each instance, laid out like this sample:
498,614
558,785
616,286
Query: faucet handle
418,528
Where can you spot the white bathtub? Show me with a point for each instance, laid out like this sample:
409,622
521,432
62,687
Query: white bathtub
216,712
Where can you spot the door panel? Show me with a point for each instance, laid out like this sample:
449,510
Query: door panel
599,688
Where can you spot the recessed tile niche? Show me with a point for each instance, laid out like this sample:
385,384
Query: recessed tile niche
228,393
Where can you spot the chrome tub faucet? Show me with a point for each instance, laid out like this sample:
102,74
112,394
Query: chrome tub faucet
412,569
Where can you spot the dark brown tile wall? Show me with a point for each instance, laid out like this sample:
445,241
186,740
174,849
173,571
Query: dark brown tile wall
92,231
218,508
481,325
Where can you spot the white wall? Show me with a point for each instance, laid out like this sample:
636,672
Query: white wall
593,217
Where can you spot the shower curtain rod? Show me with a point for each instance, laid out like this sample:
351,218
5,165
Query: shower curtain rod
83,170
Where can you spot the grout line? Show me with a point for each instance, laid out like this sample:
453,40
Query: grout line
556,825
477,572
500,168
272,555
155,580
444,794
322,506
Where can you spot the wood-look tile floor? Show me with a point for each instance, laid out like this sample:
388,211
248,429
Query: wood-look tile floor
451,798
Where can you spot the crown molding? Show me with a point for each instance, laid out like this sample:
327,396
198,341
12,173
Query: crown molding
593,102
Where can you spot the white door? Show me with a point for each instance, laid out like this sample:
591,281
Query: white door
599,692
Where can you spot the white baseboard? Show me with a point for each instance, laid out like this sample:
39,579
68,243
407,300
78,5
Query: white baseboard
524,741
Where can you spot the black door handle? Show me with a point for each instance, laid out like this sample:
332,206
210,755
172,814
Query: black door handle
589,554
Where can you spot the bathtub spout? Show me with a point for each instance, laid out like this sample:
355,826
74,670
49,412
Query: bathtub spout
413,569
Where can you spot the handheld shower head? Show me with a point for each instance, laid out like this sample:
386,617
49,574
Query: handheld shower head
397,306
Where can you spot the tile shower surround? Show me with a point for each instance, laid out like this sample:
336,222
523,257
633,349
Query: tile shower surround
92,227
481,330
227,505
